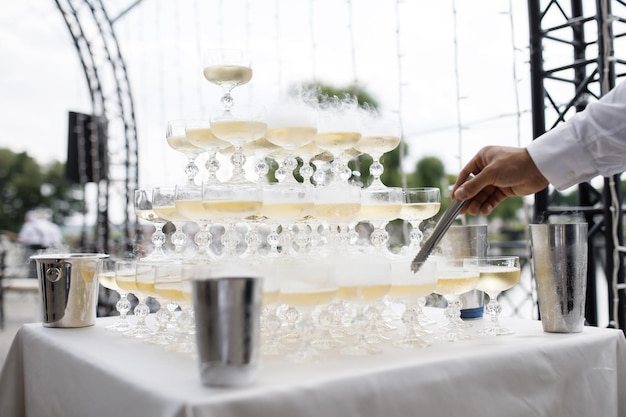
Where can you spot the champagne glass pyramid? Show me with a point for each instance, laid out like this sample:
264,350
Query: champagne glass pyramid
227,68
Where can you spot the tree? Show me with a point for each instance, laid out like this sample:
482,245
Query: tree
25,185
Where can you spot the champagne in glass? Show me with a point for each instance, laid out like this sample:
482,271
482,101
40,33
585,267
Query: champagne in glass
227,68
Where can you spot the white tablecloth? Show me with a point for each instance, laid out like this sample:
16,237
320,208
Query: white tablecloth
94,372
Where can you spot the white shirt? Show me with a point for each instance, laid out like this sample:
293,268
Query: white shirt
590,143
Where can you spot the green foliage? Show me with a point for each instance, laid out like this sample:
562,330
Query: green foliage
25,185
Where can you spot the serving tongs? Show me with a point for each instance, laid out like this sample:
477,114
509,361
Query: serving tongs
440,229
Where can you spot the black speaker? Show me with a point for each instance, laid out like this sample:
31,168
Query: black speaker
86,149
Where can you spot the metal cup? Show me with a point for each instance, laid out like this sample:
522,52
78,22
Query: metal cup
227,315
465,241
559,266
69,288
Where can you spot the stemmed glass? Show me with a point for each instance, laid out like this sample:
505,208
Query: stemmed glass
188,202
419,204
199,134
145,211
231,203
455,276
379,137
176,136
164,205
410,289
303,287
497,274
291,125
307,153
239,126
379,206
227,68
363,280
167,290
338,130
337,205
106,278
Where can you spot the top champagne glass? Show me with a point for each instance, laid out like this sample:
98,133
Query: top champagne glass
227,68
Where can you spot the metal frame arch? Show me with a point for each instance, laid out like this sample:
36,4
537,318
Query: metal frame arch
105,71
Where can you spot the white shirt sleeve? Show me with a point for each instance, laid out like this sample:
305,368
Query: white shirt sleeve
590,143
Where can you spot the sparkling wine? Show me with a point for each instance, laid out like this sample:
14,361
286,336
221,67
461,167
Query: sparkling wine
126,281
336,142
364,293
145,288
238,132
497,278
205,139
231,209
169,213
107,280
456,283
182,144
192,209
291,137
419,211
411,290
377,145
171,291
148,215
379,211
287,211
307,298
269,297
228,76
336,212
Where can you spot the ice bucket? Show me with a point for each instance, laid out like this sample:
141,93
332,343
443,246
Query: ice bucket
69,288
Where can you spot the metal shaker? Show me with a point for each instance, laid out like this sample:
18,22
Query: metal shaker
464,241
227,316
559,266
69,288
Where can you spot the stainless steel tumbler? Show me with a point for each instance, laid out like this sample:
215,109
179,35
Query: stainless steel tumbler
559,266
69,288
227,315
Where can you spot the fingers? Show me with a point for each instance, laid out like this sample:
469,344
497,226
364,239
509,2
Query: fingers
470,189
485,201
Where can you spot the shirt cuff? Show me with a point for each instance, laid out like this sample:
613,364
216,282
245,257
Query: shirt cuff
561,158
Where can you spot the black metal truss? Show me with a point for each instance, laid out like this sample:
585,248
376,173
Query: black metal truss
584,41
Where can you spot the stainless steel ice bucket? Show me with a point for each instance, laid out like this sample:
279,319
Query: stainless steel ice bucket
69,288
227,315
559,266
463,241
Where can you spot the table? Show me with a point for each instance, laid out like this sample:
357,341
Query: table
94,372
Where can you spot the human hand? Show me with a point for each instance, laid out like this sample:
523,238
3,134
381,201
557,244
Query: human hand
499,172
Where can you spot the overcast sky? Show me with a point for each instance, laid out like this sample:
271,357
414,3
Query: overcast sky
408,54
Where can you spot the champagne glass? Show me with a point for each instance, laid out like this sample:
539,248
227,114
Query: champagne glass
291,125
239,126
106,278
260,149
167,290
199,134
176,136
231,203
379,205
188,202
497,274
145,211
455,276
227,68
363,280
303,287
337,204
410,289
419,204
307,153
164,205
145,272
338,130
379,137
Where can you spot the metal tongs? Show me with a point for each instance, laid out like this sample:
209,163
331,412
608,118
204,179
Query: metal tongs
440,229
